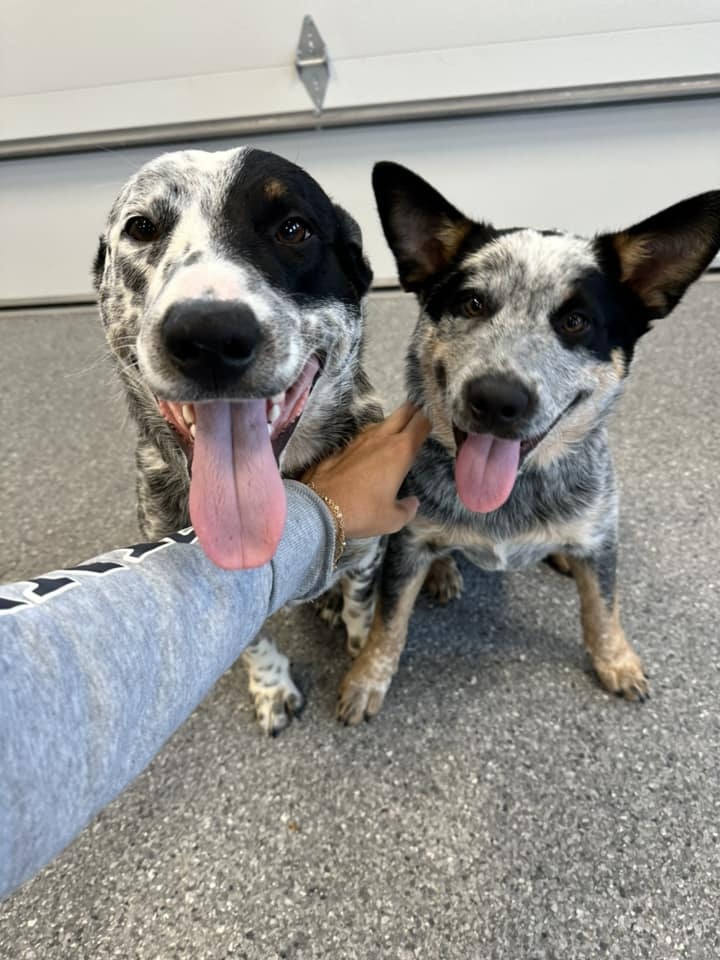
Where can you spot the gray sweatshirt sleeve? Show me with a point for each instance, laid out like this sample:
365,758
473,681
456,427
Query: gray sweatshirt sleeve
100,663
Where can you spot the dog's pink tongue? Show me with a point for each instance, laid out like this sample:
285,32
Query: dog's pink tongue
237,499
485,471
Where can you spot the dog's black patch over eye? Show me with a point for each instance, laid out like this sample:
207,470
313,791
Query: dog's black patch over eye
474,306
292,231
142,229
471,304
574,324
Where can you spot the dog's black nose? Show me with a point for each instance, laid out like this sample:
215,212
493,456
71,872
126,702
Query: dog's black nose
499,403
211,338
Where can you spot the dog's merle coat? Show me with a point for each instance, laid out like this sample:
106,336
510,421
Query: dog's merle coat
527,336
248,229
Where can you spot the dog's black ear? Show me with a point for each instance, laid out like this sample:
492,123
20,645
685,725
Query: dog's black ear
423,230
350,250
98,265
660,257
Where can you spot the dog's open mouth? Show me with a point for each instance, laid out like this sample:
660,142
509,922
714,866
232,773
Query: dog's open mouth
486,466
237,500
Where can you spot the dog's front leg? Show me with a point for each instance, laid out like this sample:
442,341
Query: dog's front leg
351,601
616,663
364,686
277,699
444,581
359,587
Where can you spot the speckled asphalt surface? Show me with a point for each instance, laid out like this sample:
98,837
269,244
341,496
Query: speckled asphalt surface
502,806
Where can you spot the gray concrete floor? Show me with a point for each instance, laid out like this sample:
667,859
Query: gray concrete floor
502,806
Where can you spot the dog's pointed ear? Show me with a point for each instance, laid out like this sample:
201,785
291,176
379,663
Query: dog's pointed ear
98,265
660,257
422,228
350,250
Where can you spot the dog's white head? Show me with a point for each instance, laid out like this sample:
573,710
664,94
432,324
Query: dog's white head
229,286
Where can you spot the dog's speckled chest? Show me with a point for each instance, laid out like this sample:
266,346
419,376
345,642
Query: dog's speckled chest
516,552
505,556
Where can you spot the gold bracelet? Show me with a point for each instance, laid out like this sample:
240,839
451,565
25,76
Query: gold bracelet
340,541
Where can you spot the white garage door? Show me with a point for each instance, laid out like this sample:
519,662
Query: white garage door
88,76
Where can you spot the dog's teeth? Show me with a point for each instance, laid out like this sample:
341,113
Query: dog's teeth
193,430
278,399
273,413
269,426
188,414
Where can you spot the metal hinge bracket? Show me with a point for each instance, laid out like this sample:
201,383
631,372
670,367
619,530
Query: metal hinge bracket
311,62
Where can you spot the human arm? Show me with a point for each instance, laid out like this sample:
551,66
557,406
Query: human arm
101,663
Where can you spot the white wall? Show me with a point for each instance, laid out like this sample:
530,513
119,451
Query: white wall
83,66
103,44
578,169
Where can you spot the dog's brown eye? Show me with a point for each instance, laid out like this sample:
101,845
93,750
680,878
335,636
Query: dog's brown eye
575,323
292,231
142,229
474,307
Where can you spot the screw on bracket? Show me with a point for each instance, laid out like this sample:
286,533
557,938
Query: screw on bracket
311,62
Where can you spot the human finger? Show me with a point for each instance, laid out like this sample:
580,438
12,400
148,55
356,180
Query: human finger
407,508
410,439
398,419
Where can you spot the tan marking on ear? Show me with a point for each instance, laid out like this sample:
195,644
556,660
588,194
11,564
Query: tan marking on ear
274,189
452,235
632,251
636,253
436,251
616,663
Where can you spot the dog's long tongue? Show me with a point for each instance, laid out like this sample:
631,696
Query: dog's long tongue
485,471
237,500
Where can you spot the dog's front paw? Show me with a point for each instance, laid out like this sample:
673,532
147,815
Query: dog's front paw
276,706
360,697
355,643
444,581
329,607
277,700
357,620
623,675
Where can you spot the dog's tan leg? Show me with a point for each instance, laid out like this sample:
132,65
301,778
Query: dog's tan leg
616,663
560,563
363,689
444,581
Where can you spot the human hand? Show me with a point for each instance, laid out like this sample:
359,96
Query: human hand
364,478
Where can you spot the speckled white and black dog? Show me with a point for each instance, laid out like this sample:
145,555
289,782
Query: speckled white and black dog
231,292
523,342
